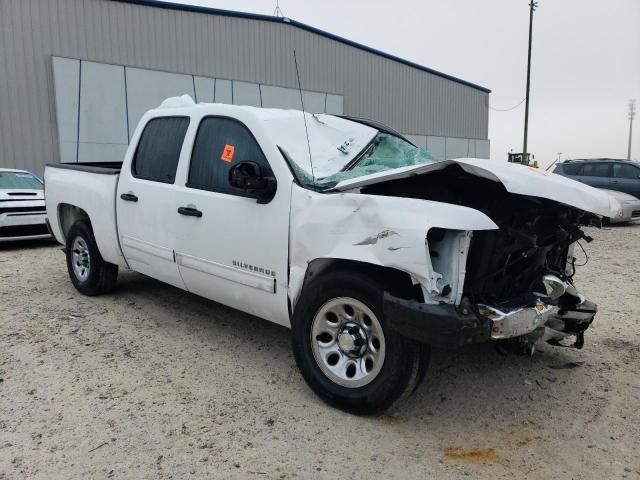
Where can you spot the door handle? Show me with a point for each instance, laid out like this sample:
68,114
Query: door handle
129,197
189,212
615,181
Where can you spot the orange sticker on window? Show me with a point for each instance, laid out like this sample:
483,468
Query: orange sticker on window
227,153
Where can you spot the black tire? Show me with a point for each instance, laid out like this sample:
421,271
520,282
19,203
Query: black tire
101,276
405,361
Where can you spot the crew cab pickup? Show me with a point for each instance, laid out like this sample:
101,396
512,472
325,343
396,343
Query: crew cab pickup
364,245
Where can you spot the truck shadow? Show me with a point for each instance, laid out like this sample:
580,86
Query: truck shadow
466,386
28,245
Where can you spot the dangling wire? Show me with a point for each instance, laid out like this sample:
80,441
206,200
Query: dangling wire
586,257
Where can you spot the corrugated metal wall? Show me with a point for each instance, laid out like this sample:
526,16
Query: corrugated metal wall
31,31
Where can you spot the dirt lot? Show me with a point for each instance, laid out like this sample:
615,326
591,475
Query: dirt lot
152,382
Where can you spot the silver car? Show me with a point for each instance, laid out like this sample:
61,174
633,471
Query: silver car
630,207
22,211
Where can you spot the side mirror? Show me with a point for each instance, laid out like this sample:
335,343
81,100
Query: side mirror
249,177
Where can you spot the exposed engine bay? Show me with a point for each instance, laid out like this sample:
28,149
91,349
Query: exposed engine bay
529,259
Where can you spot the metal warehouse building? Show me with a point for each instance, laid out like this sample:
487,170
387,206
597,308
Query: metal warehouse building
77,75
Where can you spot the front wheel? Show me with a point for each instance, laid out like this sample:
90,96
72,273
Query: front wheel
344,350
88,271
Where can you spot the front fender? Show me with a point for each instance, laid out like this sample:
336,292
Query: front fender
385,231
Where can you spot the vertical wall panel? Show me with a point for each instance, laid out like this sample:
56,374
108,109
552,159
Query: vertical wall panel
435,146
245,93
418,140
223,90
482,148
279,97
472,148
146,89
103,113
457,148
335,104
66,73
204,89
314,102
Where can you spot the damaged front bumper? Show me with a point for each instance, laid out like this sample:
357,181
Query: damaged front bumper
517,322
445,324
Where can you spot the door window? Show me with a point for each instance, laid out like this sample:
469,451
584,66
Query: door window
220,144
621,170
158,151
596,170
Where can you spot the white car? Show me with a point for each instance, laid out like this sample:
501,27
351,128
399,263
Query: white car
22,210
364,245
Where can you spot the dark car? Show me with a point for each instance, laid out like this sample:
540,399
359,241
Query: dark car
619,175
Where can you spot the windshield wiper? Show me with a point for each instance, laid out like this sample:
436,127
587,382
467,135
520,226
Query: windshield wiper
367,149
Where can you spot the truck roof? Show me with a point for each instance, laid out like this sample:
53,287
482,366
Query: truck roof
332,141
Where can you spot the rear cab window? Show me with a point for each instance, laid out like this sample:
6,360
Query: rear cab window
221,143
158,150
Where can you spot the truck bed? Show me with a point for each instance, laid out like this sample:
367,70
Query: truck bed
73,190
103,168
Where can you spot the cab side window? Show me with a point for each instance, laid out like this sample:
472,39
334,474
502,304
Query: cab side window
220,144
620,170
158,151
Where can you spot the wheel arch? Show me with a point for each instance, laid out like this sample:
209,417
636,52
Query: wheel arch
396,281
68,215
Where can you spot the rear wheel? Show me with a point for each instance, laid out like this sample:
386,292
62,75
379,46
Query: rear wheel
88,271
344,350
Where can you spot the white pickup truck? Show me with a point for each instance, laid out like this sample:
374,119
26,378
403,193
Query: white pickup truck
363,244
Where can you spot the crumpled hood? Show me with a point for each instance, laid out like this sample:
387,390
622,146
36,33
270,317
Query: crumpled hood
516,178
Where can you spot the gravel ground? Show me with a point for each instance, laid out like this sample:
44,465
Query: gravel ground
153,382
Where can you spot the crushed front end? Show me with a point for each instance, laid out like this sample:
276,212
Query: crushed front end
518,279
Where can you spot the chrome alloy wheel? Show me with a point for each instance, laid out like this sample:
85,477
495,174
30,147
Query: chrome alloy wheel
348,342
80,258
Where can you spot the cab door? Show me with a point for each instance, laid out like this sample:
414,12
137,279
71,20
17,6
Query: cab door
231,248
146,200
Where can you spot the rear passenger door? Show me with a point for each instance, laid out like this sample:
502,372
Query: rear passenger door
230,248
146,200
626,178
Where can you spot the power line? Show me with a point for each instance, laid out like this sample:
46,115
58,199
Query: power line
507,109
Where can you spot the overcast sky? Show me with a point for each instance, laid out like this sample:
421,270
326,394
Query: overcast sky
585,61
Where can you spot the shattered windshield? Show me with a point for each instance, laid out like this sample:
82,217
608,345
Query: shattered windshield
384,152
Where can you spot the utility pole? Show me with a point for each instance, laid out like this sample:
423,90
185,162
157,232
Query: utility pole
278,11
632,113
525,159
